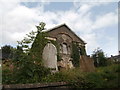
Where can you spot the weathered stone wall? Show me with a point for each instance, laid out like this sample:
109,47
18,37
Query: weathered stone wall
65,37
64,29
86,64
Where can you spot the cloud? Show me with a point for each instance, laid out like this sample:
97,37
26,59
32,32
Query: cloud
105,20
18,20
91,39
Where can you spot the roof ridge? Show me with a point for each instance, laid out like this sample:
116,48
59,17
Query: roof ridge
47,30
67,27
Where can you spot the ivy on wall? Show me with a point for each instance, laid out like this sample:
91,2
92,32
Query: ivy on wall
83,51
76,52
38,46
75,55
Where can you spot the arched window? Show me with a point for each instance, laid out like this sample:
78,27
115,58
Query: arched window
65,48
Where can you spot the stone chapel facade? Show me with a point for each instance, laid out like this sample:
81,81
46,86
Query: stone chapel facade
64,36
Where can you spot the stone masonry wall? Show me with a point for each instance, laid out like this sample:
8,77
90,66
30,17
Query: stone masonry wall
86,64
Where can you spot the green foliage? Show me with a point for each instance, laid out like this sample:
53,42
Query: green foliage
7,52
56,77
41,27
30,72
38,46
18,54
99,58
95,79
31,65
33,37
83,51
110,75
28,66
7,76
75,54
25,71
104,77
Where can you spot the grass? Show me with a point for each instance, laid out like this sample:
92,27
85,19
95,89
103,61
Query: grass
103,77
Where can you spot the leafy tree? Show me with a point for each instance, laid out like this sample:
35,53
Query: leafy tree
29,60
7,52
99,58
18,53
32,37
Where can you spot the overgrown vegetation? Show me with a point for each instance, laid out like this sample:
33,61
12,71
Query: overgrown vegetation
104,77
26,66
76,52
83,51
7,52
99,58
75,55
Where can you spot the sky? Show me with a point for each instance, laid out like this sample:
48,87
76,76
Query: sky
95,22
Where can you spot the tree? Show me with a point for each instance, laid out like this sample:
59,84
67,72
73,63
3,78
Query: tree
31,38
29,63
99,58
18,53
7,52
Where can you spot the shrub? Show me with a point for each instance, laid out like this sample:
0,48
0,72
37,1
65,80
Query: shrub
99,58
104,77
110,76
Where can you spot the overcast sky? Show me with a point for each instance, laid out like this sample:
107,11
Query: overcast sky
95,22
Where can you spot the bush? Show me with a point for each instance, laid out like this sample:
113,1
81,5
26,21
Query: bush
104,77
110,76
25,70
99,58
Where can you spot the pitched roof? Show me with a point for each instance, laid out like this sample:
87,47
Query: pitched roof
51,29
